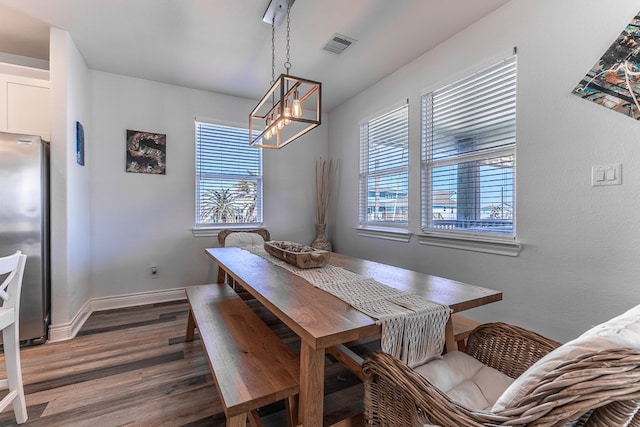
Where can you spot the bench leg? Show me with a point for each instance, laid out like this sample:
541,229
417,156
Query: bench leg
291,407
221,276
254,419
237,421
462,328
191,326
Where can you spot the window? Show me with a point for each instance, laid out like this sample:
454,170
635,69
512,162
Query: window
384,169
469,155
228,176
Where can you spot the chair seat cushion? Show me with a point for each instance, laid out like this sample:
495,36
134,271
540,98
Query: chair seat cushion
622,331
465,380
241,239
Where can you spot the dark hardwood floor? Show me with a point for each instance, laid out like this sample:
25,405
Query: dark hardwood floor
132,367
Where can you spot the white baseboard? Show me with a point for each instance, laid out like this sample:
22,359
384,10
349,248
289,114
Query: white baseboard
69,330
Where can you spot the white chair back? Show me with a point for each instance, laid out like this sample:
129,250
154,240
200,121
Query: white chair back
243,239
11,287
12,267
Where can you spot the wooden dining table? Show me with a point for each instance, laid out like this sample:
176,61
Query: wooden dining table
323,321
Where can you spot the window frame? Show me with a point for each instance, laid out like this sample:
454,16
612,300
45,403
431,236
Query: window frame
484,241
211,228
392,230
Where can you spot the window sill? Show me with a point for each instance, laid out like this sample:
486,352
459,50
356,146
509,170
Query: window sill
384,233
485,244
213,231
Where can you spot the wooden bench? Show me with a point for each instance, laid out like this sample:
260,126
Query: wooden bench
462,327
251,366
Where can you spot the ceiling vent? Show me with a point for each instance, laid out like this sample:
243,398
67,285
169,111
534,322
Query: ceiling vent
338,43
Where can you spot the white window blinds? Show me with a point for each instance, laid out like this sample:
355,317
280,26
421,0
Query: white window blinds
384,169
228,176
469,153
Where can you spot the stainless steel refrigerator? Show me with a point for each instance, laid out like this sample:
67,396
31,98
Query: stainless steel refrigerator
24,225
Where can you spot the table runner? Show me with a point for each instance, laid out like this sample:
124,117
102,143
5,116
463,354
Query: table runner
413,328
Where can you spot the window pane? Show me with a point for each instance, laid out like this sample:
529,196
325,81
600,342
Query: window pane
228,176
387,199
468,153
384,169
474,196
225,150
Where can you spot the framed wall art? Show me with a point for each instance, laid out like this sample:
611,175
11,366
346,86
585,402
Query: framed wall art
614,80
146,152
79,144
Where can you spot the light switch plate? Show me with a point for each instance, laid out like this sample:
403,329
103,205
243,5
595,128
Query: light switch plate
603,175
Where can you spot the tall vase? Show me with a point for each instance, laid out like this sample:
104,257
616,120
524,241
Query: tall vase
321,242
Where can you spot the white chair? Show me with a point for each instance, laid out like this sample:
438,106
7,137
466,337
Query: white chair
240,238
13,267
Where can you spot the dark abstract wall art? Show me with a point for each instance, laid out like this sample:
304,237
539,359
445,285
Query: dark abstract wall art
146,152
614,81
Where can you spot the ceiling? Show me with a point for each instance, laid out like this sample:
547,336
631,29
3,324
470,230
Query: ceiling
224,46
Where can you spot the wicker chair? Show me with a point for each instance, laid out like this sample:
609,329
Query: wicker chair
596,389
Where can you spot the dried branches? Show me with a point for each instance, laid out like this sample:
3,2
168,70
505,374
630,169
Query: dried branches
324,184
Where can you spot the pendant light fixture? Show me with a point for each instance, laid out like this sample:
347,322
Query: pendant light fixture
291,107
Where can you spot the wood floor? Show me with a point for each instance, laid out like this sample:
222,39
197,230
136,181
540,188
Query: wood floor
132,367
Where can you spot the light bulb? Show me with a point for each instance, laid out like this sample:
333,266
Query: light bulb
287,113
269,133
275,122
296,107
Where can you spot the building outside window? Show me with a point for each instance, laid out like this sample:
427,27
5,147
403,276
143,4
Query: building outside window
384,169
469,155
228,176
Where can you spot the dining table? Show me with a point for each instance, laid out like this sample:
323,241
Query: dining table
324,321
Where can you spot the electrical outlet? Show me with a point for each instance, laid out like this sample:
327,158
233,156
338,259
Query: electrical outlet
154,271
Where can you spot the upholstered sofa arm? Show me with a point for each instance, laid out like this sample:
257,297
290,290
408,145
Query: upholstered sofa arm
508,348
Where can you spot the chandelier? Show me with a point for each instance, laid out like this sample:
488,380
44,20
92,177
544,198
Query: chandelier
291,107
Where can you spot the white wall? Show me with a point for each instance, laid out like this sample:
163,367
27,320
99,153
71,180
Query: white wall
70,227
139,220
581,244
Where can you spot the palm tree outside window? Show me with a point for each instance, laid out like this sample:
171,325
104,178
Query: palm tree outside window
228,176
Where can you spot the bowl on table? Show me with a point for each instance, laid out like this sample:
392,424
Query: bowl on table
301,256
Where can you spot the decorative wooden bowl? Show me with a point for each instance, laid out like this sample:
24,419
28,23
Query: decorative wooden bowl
296,254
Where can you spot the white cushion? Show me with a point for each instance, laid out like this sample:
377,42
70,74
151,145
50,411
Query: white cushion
241,239
465,380
622,331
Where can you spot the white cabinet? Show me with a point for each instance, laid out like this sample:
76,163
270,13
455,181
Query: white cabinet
24,101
